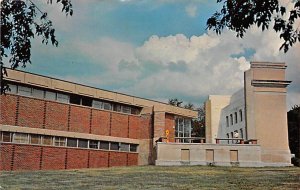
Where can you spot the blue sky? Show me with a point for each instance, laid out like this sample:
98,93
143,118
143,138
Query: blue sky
155,49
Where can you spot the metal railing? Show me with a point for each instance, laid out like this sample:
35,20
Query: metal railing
182,139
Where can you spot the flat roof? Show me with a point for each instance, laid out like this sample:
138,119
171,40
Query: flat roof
84,90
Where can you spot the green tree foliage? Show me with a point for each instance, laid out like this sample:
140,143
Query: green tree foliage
175,102
294,130
21,21
240,15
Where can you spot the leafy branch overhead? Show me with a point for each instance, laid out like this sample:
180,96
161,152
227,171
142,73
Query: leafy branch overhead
21,21
240,15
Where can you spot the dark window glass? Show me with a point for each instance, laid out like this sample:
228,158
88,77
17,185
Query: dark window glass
135,111
242,134
82,143
114,146
104,145
235,117
75,99
47,140
35,139
231,119
6,137
124,147
117,108
86,101
50,95
94,144
227,121
241,115
133,147
37,93
72,142
126,109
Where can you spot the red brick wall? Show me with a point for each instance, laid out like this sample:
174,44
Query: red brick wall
8,109
26,157
80,119
117,159
132,159
100,122
31,112
77,158
53,158
29,157
170,123
119,125
134,127
145,127
6,156
98,159
57,115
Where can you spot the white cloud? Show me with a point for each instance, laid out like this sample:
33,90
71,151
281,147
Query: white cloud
191,68
191,10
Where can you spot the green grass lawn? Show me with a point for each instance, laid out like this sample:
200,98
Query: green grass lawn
155,177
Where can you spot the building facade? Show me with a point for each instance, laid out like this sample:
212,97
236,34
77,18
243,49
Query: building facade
47,123
256,113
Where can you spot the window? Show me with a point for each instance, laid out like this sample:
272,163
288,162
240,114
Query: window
25,91
241,131
71,142
20,138
94,144
63,98
124,147
35,139
50,95
114,146
86,101
231,119
126,109
6,137
59,141
227,135
47,140
13,89
241,115
107,106
232,136
117,108
227,121
104,145
97,104
183,128
135,111
235,117
38,93
133,148
75,99
82,143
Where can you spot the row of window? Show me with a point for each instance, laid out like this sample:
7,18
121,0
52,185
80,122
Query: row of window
71,98
235,118
65,142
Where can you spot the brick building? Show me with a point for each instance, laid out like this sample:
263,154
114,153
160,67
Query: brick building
48,123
